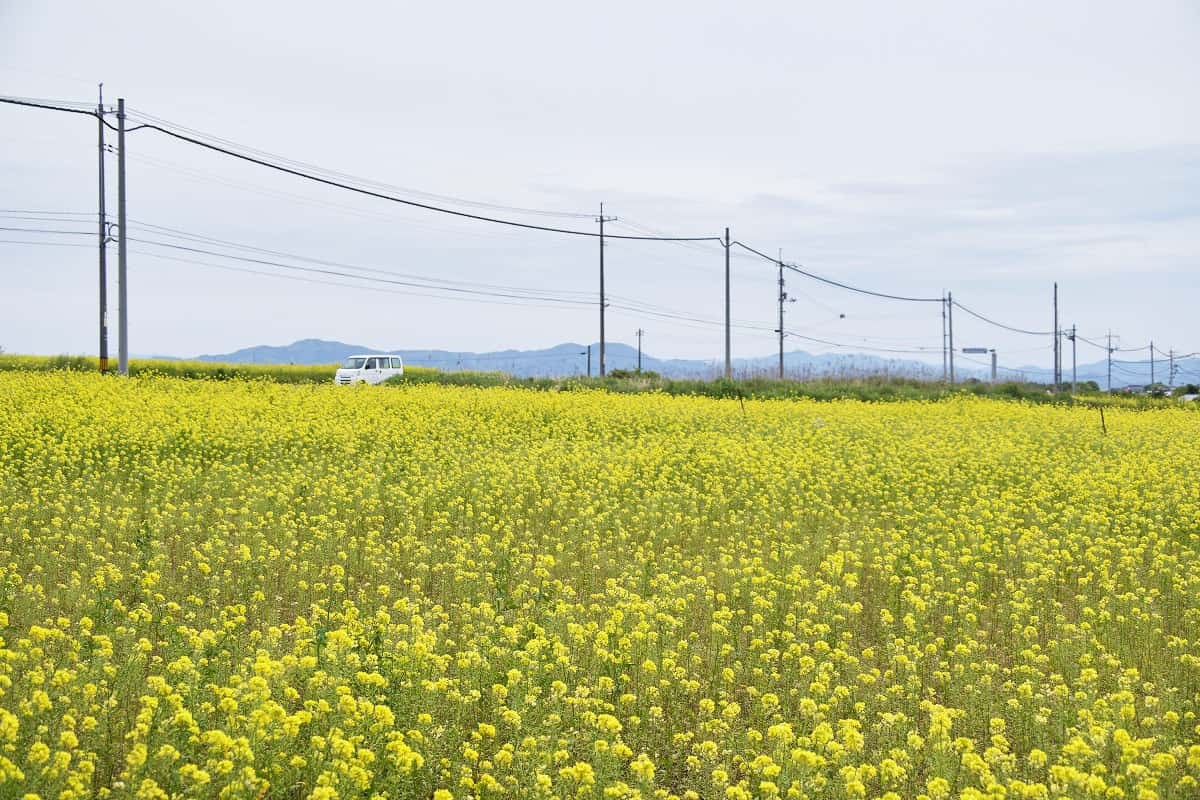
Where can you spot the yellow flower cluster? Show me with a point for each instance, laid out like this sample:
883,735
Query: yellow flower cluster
247,589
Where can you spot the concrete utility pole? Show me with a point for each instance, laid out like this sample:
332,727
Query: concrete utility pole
1171,371
1073,375
728,355
640,334
782,299
122,249
1151,362
103,244
945,361
1057,358
602,219
588,353
993,365
1109,351
950,328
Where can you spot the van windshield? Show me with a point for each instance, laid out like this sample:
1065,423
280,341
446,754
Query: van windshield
353,363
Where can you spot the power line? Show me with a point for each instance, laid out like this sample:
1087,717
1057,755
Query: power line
391,193
542,298
45,243
49,230
162,230
450,355
10,212
354,178
343,274
627,303
999,367
548,300
1085,340
177,233
48,105
989,321
666,314
407,293
1128,373
911,351
832,282
772,331
308,173
704,325
415,204
513,292
412,218
345,208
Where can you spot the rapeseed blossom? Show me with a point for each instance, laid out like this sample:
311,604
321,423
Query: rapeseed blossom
245,589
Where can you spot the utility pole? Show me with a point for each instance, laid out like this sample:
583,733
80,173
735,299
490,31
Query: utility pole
1151,362
1171,373
1109,351
640,334
945,362
1057,359
993,365
103,244
1073,374
602,219
728,357
782,299
950,329
122,249
588,353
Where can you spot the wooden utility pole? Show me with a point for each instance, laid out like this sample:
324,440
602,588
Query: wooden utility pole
640,334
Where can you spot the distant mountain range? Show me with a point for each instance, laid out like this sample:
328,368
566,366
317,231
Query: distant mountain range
571,359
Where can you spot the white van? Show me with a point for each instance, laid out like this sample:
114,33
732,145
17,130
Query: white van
368,368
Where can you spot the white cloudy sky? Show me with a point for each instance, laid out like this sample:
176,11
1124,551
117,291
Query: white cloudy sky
984,148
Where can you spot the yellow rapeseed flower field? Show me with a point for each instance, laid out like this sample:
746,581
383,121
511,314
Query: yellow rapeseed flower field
253,590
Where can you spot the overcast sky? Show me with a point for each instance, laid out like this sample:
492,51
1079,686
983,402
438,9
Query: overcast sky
984,148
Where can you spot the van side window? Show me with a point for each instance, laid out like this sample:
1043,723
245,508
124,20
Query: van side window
372,363
396,363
